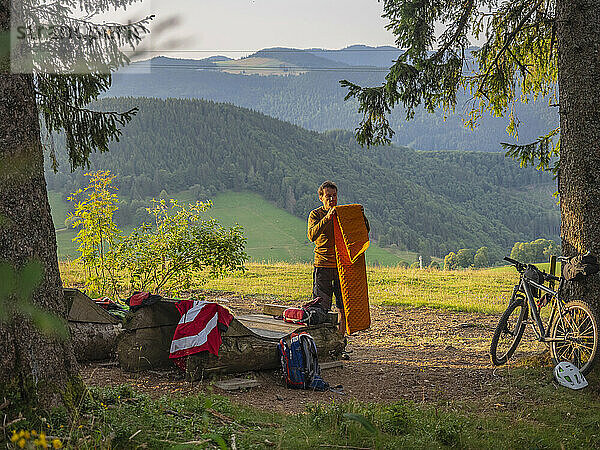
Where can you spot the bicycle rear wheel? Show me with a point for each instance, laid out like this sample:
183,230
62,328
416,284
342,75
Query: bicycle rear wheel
509,331
578,329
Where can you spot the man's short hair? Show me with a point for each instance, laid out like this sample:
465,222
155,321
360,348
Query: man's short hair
326,184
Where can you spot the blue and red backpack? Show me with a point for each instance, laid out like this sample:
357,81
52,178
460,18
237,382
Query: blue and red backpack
300,364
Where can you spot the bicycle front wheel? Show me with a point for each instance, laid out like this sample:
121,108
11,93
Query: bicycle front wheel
509,331
577,332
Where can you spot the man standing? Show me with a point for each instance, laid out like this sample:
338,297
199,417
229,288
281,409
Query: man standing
326,280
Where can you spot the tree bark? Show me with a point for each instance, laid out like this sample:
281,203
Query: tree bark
578,39
33,367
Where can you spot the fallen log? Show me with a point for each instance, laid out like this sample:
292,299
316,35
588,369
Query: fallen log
250,343
94,332
94,341
146,338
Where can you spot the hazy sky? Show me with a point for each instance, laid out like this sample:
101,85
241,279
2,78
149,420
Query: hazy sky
237,27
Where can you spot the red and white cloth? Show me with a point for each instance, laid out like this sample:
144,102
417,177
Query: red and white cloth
198,329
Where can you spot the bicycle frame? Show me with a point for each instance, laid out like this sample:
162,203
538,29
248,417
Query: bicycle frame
571,331
542,333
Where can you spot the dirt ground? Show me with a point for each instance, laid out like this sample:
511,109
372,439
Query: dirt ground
418,354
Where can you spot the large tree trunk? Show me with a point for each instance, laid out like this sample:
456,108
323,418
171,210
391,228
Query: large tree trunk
578,38
33,367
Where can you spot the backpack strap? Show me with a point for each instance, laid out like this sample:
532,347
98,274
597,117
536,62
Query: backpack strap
339,389
292,362
311,360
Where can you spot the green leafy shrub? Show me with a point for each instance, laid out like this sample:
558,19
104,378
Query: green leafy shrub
482,257
450,261
164,257
157,257
98,235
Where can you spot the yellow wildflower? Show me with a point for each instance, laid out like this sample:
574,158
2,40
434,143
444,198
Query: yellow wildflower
56,443
21,443
15,437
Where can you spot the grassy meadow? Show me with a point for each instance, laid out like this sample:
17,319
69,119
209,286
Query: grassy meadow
466,290
530,414
484,290
272,233
522,409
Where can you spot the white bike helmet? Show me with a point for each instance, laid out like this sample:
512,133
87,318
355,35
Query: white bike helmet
569,376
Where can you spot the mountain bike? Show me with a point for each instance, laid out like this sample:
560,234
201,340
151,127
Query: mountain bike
571,330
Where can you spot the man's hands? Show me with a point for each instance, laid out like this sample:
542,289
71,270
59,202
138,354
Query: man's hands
330,213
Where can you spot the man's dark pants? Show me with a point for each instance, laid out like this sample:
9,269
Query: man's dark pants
326,282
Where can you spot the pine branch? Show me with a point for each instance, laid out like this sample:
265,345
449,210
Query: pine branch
542,149
75,108
468,9
524,69
71,72
509,40
415,88
86,131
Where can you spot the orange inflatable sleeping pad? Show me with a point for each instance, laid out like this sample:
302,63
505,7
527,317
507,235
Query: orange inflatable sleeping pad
351,241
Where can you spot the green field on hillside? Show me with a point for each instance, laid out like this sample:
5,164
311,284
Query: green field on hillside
64,237
58,207
272,233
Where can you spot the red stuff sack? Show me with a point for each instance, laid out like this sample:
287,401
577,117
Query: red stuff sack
294,315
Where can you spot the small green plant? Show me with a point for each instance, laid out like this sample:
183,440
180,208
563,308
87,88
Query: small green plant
164,257
448,432
395,419
98,235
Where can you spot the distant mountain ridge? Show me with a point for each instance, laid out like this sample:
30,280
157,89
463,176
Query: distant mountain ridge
298,58
310,94
352,56
361,55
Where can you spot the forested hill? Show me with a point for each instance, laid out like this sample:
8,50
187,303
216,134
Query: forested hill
431,202
314,99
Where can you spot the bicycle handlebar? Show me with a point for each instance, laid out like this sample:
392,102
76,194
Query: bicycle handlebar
521,268
512,261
